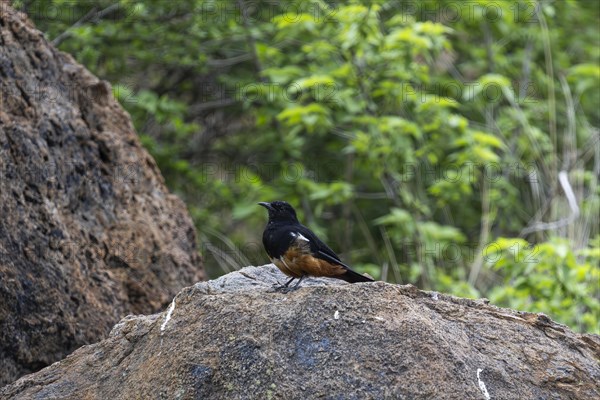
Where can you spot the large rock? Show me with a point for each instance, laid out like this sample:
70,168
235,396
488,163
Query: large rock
236,338
88,230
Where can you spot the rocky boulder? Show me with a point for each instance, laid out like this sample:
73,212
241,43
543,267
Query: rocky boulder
88,231
237,338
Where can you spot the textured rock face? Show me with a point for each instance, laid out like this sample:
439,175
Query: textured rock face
88,230
235,338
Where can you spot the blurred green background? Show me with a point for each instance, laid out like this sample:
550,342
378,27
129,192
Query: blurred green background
448,144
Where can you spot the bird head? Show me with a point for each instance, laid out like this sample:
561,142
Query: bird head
280,211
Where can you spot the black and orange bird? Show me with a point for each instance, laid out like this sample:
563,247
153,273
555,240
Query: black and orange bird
297,251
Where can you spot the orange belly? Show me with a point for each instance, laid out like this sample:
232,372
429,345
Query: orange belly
297,263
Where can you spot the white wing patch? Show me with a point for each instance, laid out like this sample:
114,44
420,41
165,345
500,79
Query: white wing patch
301,241
301,237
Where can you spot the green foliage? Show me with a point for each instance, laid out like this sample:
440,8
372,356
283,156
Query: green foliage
550,278
410,135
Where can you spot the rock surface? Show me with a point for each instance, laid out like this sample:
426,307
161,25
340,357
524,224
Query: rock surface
235,338
88,230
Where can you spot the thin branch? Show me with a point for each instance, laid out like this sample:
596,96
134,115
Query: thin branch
244,261
225,261
563,178
347,207
384,271
92,15
487,35
391,192
391,254
208,105
486,220
550,73
251,41
588,150
526,70
364,228
371,196
227,62
522,118
569,144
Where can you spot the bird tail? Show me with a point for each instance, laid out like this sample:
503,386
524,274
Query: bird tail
354,277
349,276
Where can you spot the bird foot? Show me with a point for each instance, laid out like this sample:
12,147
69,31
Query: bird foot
283,288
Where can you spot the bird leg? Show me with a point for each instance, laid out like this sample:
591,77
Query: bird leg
298,283
290,281
285,286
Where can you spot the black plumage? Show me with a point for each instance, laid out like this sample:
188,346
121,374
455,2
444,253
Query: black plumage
297,251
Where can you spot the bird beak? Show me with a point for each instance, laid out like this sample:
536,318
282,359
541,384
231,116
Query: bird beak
265,205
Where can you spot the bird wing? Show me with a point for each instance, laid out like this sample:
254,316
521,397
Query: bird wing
318,248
